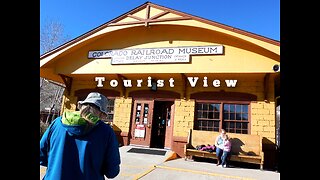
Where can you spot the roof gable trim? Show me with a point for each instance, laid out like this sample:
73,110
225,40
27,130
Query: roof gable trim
157,18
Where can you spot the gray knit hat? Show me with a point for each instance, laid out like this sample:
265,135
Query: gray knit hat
98,99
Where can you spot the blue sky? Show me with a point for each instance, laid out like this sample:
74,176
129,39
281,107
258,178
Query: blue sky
260,17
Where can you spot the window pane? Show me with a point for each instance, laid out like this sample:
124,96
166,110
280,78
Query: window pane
231,125
198,115
217,107
197,107
211,115
216,124
245,108
206,114
226,125
232,108
210,123
146,108
200,125
110,116
145,113
225,116
238,116
244,125
216,115
238,108
211,107
226,107
110,110
196,125
244,117
138,112
238,125
139,107
205,107
232,116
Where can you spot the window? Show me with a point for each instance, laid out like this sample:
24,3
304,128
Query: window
81,94
235,118
232,117
208,116
110,110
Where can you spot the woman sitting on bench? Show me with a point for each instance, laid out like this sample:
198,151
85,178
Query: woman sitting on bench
219,144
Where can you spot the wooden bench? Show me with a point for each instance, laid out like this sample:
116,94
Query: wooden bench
245,148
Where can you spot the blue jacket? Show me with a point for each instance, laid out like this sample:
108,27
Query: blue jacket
70,151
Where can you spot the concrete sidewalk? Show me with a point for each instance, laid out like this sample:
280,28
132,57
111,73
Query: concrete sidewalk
159,167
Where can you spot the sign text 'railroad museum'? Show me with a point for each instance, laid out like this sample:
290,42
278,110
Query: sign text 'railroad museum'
155,55
160,82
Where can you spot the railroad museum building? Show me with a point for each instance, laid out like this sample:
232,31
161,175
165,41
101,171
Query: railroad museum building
166,72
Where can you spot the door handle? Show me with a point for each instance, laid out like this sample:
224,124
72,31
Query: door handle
149,125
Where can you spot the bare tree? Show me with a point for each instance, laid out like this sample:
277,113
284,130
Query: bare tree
51,36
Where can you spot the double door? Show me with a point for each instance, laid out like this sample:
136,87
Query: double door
152,123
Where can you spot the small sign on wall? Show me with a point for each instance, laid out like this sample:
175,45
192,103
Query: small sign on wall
139,131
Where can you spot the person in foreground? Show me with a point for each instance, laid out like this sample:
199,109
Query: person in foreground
219,144
78,145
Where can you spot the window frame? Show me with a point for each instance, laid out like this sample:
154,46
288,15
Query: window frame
221,119
114,99
81,94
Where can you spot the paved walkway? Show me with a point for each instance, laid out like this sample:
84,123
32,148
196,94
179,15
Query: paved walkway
156,167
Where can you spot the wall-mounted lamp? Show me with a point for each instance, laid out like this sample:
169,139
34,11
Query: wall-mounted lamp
153,85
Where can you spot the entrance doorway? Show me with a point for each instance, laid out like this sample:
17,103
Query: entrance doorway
152,123
162,124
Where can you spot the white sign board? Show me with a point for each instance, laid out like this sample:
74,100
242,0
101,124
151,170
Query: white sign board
155,55
139,131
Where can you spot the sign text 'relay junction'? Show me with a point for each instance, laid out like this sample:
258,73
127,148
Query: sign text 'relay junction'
155,55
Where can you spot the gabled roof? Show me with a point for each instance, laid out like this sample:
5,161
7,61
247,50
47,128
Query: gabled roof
149,13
